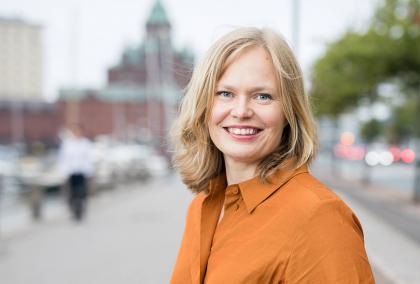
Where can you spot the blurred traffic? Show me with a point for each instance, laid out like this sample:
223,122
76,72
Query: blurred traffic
374,154
114,162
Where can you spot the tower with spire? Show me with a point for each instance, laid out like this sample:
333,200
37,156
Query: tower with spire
143,88
157,69
155,58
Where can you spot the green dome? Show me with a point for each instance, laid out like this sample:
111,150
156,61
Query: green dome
158,14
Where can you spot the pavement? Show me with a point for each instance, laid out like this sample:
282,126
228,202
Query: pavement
132,234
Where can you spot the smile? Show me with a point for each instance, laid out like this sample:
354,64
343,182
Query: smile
242,131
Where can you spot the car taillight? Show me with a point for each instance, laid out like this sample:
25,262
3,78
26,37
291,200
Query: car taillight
408,156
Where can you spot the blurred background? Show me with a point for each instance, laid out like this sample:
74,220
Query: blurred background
118,69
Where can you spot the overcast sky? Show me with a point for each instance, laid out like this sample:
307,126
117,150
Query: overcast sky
82,38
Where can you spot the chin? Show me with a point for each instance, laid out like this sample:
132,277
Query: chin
245,159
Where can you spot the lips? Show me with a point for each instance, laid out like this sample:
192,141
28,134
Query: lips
243,131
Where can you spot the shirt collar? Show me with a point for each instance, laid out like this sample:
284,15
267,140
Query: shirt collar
255,191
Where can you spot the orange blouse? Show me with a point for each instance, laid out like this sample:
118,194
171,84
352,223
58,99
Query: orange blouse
291,229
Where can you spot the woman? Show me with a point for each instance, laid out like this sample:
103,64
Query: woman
244,139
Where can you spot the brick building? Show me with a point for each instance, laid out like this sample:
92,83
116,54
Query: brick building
28,122
142,92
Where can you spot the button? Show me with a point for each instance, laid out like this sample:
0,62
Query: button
235,190
237,206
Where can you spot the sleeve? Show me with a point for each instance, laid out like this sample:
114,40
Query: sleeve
329,248
181,273
62,159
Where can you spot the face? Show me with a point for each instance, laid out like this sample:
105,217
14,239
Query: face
247,120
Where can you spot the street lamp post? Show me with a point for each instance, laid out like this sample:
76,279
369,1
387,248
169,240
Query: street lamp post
416,196
296,26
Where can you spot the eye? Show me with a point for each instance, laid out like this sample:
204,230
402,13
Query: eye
224,94
264,97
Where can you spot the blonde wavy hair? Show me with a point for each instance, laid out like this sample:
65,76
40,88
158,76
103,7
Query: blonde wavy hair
195,156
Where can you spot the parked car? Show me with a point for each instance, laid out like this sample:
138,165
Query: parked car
119,163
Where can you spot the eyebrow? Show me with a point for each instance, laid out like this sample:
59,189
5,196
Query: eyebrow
252,90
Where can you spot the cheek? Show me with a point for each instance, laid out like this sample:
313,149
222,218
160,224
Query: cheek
274,119
218,113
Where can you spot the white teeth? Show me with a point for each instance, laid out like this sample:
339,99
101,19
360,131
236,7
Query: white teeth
242,131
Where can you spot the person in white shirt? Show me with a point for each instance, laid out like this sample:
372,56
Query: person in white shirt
76,164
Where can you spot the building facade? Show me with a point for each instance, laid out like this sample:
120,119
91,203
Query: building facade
25,118
143,90
27,123
21,60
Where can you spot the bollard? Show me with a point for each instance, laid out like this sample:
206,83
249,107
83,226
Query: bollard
36,197
1,199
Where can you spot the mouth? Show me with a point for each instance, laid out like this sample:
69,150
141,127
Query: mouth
243,131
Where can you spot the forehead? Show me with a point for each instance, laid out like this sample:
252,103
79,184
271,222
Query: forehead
249,67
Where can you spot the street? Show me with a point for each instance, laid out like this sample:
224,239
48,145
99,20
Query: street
398,177
131,235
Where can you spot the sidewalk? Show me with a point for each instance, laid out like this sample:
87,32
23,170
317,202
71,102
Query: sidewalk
392,246
131,235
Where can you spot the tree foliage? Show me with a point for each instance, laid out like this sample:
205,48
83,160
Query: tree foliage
371,130
355,65
402,127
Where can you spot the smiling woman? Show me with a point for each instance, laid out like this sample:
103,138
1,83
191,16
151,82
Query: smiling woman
243,140
246,121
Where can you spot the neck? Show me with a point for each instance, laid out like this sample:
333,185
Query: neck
237,172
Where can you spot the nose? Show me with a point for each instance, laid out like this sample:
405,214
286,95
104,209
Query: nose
241,108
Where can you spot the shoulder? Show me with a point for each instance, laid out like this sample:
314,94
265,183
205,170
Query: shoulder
328,236
317,205
197,201
194,208
306,183
193,216
307,189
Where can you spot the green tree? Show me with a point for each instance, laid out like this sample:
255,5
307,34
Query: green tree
339,81
355,65
399,22
371,130
402,124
